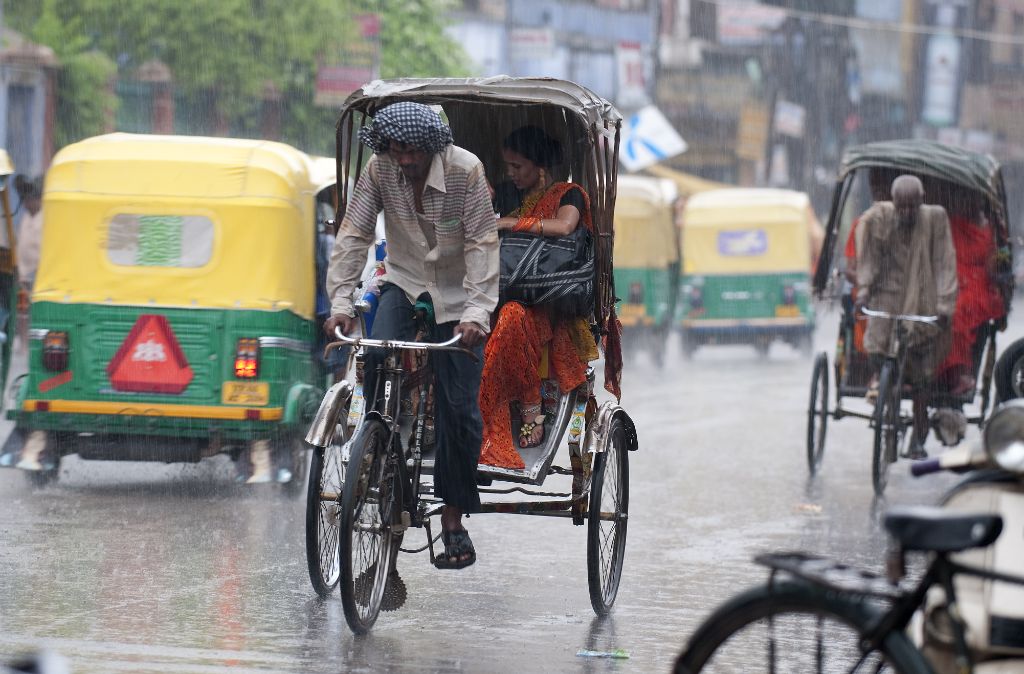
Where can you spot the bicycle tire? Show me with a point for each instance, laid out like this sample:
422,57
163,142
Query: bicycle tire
326,475
817,414
710,647
606,539
369,505
887,428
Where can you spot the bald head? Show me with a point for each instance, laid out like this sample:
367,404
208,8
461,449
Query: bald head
907,197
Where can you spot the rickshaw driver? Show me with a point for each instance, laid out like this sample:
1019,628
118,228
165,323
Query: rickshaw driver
443,242
906,264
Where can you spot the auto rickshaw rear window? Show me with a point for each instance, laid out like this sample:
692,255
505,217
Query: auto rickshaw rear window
135,240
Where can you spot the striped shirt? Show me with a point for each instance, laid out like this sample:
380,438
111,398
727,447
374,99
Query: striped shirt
449,251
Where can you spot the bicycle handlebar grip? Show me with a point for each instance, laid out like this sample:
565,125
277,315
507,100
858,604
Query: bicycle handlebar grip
925,467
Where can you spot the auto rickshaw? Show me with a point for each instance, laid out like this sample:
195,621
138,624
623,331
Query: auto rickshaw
952,178
647,262
747,260
172,316
8,269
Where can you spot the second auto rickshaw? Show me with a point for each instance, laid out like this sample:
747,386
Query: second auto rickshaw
646,261
747,260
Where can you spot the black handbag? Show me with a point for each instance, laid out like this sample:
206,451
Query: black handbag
549,270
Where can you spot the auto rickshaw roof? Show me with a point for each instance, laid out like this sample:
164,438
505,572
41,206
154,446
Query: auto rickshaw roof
645,188
723,204
500,89
687,183
6,167
973,170
181,166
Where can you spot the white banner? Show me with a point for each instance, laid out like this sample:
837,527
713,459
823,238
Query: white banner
648,138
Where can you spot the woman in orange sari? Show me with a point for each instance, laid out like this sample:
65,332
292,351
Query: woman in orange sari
526,340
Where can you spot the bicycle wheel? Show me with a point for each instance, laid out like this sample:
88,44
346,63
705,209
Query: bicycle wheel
794,627
888,427
817,413
606,538
323,505
369,503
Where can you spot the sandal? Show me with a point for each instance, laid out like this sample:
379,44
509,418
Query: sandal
458,550
527,428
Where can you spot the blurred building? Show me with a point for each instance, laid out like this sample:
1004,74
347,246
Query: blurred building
27,101
609,46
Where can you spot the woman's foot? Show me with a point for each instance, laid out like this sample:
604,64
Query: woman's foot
531,431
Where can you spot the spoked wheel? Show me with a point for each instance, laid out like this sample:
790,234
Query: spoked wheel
793,628
607,519
888,428
323,509
817,414
369,507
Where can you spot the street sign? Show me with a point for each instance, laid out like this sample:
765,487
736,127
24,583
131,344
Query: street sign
648,138
150,360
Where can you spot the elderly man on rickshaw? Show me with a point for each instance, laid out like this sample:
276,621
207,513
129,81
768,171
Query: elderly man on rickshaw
906,264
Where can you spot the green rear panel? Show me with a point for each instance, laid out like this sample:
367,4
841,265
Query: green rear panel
746,297
208,339
658,289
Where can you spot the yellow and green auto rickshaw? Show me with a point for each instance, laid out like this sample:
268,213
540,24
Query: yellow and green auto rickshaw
172,316
8,268
646,262
747,258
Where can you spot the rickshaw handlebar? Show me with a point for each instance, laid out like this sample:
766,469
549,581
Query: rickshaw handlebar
397,344
900,317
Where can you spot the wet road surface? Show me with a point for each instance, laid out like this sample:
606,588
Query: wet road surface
150,568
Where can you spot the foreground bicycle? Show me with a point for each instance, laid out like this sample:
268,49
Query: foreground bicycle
819,615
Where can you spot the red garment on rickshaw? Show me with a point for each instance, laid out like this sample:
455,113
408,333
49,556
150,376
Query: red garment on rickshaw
513,354
850,251
978,299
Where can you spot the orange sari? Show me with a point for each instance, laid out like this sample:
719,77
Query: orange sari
514,351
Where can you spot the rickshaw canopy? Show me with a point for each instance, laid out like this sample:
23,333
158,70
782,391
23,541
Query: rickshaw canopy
926,158
687,183
179,221
645,221
481,112
748,231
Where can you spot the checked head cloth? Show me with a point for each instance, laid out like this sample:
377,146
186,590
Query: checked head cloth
410,123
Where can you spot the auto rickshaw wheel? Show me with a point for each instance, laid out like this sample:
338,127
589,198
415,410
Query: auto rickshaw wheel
607,518
323,509
37,479
370,505
817,414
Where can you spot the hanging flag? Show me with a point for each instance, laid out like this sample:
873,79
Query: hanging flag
648,138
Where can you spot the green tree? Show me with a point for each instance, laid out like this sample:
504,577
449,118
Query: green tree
223,53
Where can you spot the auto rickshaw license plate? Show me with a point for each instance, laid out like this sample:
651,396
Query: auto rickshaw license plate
246,393
787,311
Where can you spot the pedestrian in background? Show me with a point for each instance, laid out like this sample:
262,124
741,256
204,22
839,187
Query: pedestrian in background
30,235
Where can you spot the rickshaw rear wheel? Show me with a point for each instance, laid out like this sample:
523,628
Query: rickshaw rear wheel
323,509
888,428
606,538
817,414
369,507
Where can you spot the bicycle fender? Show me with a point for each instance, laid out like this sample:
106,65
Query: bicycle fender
598,437
321,431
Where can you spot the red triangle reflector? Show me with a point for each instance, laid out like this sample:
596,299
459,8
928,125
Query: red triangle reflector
150,360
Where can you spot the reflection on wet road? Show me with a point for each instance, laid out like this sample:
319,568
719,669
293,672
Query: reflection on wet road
146,568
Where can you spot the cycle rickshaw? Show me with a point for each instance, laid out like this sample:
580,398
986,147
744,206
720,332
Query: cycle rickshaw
370,476
951,177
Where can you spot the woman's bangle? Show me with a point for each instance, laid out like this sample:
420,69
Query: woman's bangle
541,223
525,224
